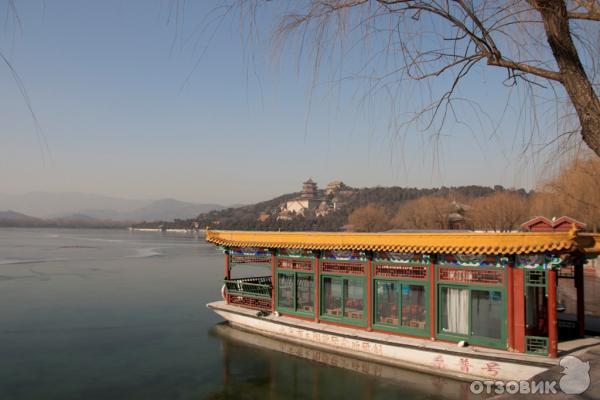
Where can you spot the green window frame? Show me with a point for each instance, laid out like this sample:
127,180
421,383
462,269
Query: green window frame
398,326
342,317
470,337
294,309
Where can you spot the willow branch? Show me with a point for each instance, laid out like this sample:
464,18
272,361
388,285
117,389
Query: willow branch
530,69
589,16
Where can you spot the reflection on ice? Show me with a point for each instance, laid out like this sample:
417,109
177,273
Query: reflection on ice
412,384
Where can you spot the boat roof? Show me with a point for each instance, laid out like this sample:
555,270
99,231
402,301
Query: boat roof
416,242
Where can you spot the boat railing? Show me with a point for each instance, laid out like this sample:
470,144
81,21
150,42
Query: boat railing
256,286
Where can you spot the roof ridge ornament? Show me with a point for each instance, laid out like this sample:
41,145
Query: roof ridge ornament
572,234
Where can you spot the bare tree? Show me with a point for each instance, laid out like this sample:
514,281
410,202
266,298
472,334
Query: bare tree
370,218
502,211
428,212
575,192
541,44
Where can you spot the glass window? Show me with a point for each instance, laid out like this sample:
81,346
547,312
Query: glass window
353,295
332,296
536,311
414,310
486,309
455,310
305,291
387,302
285,290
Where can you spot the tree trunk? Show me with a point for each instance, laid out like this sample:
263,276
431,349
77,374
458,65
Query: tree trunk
573,76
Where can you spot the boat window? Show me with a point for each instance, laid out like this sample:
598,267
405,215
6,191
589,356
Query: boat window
387,303
486,309
332,296
536,314
414,308
353,299
285,290
305,291
455,310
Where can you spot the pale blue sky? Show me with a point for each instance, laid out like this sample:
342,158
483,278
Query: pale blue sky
107,80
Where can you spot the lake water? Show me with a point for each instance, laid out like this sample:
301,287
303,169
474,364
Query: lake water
108,314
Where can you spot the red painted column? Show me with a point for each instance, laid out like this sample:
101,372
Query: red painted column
552,320
317,305
519,309
579,283
510,326
370,291
273,285
432,306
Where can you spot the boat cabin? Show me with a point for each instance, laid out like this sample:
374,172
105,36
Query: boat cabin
496,290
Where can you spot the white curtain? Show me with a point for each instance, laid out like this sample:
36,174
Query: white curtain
457,310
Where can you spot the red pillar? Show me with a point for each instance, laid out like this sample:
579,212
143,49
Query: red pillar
370,291
510,326
579,284
317,305
432,306
273,285
552,320
519,309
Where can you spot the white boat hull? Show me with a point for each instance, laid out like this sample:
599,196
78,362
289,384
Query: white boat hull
416,354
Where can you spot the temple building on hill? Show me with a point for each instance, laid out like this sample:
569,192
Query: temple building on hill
307,203
311,202
334,187
309,189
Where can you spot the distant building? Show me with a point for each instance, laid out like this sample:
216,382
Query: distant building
285,215
302,206
263,217
309,189
456,216
311,202
334,186
307,203
324,209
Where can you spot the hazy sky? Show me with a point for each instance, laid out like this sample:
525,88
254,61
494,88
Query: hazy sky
108,83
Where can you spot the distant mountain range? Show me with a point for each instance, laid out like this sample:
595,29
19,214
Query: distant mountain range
15,219
92,207
12,218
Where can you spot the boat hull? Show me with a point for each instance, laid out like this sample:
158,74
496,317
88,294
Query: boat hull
466,364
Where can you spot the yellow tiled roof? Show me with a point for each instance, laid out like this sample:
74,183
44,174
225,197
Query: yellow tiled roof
425,242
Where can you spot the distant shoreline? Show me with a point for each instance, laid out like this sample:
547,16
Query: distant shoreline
62,227
173,230
116,227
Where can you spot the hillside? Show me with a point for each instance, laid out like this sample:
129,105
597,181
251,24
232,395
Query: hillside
13,218
268,215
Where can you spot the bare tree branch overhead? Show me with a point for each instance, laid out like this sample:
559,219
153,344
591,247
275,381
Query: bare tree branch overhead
542,44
